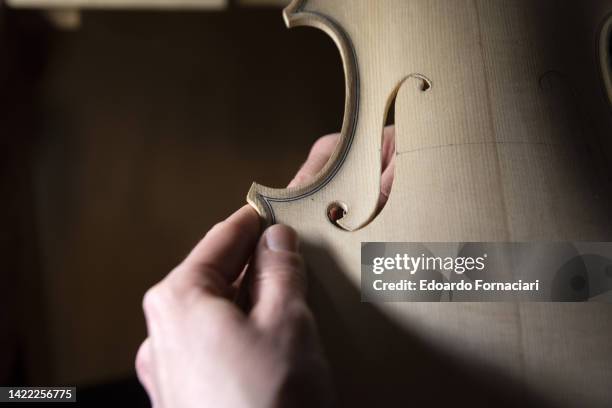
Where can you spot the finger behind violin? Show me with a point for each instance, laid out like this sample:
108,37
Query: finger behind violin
319,155
388,146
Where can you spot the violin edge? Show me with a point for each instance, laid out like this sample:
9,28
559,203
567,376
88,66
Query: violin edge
261,197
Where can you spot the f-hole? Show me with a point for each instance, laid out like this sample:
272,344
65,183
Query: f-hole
387,155
388,150
337,210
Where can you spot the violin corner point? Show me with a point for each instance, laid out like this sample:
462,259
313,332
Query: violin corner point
290,11
256,200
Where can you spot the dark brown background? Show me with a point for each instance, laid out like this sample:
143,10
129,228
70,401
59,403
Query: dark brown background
122,143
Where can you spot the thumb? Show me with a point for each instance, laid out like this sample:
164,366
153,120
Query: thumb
278,274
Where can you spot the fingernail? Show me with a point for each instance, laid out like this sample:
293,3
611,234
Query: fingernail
282,238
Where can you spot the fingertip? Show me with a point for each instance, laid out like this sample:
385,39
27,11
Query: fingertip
319,155
248,215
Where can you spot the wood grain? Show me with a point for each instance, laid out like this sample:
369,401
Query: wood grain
502,134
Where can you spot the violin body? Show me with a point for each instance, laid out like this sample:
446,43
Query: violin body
503,131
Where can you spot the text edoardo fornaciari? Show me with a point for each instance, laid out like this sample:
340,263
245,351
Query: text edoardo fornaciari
458,265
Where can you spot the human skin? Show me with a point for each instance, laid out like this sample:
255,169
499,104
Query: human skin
206,349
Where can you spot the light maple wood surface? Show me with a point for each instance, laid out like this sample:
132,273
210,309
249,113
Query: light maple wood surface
503,129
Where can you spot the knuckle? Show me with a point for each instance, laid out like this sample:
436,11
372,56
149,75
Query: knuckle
154,300
286,268
288,260
149,300
141,362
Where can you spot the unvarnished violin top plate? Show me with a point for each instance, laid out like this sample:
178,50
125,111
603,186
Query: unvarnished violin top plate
498,104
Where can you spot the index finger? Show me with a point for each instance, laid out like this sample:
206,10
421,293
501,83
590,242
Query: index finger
222,254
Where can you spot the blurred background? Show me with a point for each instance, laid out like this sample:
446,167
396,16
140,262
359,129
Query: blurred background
126,132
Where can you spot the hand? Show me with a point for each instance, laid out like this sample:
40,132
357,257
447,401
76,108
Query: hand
204,351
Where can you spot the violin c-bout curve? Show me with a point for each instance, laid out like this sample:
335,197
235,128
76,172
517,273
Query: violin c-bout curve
359,204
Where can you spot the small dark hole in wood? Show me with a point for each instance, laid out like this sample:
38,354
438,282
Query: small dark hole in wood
335,212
